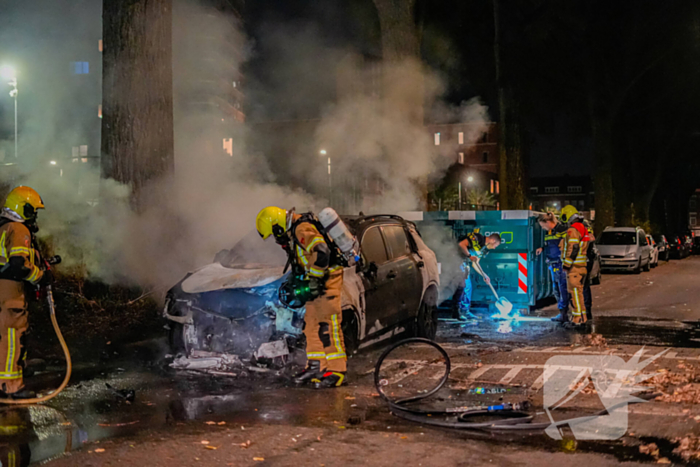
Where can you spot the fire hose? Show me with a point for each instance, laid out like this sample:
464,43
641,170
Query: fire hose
66,352
506,417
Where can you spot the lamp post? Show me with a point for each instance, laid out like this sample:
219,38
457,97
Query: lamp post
9,73
469,180
323,152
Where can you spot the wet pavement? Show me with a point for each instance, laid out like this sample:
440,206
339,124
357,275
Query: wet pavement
171,407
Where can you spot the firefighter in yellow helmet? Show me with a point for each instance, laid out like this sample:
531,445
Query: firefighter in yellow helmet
18,265
574,261
302,237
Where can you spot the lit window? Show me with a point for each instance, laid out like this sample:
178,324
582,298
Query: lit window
99,110
75,151
83,150
83,160
437,139
235,84
534,189
551,189
461,158
80,68
498,187
574,189
228,146
460,136
492,185
485,157
99,45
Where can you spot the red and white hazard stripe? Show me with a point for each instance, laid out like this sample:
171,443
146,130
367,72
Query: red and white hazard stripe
522,272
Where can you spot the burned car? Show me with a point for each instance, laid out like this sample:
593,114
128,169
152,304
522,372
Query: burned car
230,309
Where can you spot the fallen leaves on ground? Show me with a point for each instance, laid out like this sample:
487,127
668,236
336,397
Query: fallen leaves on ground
688,447
596,340
99,450
651,449
679,387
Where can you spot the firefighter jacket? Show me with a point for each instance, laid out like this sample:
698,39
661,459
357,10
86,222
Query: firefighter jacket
553,242
16,242
312,252
477,244
575,248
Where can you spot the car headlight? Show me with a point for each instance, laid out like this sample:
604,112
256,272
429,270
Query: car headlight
630,255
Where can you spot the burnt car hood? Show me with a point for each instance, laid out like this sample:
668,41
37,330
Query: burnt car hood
214,277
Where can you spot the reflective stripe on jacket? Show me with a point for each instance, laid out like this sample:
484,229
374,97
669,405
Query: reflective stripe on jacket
575,246
16,240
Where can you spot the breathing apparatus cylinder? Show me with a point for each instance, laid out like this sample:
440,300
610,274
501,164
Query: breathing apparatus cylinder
340,234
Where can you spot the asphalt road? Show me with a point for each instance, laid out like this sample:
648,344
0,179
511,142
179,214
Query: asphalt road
184,420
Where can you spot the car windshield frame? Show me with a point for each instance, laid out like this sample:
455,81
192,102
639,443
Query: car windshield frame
630,238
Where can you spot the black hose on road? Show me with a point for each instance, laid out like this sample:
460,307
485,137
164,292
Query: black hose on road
505,417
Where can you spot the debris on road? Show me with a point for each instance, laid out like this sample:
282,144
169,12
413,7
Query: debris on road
127,395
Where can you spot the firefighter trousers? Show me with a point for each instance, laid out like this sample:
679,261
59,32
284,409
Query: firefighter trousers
575,278
323,328
13,325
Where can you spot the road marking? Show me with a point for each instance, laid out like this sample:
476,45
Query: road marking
582,350
511,374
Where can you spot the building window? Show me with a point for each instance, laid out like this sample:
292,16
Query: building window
581,205
551,189
534,189
99,110
437,139
460,136
693,204
693,221
485,137
461,158
574,189
567,202
485,157
492,185
498,187
80,68
228,146
83,150
99,45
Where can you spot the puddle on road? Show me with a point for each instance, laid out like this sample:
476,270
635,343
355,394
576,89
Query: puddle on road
645,331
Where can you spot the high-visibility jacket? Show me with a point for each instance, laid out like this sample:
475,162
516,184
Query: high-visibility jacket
306,239
553,242
16,240
477,244
575,246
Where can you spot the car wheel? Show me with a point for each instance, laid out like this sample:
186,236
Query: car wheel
350,332
638,269
427,321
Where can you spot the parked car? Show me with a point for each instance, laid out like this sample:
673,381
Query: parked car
696,245
678,247
663,246
654,251
624,249
596,270
231,306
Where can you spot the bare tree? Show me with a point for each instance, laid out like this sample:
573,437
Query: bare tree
137,124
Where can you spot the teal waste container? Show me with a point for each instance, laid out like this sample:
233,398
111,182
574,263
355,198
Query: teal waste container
516,271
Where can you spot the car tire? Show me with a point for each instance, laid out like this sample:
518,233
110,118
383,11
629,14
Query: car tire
427,321
350,333
638,269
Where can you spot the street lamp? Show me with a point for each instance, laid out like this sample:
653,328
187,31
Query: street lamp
469,180
7,72
323,152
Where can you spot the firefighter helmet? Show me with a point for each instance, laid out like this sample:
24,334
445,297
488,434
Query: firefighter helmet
271,220
24,202
568,213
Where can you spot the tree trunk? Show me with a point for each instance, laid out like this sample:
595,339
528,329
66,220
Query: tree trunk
603,186
510,149
137,124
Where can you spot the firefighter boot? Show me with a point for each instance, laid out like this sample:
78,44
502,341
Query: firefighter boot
561,317
312,371
330,379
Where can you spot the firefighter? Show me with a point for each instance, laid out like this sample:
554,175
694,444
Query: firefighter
553,241
302,236
18,265
474,246
574,261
